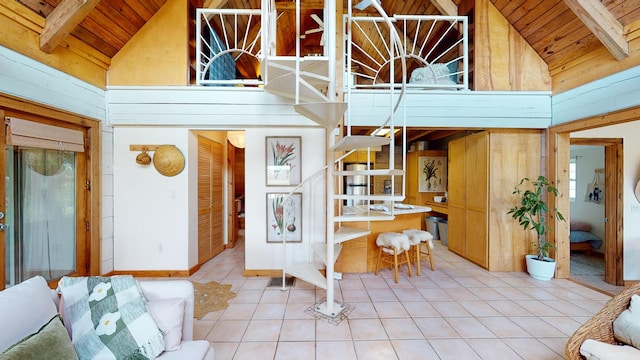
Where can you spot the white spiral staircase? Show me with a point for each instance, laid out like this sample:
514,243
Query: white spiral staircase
308,80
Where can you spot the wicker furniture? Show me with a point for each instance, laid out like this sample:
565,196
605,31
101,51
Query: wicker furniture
600,326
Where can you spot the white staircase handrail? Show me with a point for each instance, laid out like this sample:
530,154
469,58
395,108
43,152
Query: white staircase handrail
284,204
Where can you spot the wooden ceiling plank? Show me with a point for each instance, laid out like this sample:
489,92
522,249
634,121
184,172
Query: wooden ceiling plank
446,7
109,17
306,5
602,24
62,20
511,6
523,10
536,19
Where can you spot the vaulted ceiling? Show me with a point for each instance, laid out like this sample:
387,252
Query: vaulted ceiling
551,27
560,31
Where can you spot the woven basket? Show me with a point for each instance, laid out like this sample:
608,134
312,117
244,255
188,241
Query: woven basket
600,326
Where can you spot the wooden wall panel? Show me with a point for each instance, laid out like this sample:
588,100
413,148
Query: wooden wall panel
514,154
158,53
503,59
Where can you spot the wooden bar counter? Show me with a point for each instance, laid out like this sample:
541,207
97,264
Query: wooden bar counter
360,255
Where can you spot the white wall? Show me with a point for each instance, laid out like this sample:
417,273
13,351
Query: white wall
588,159
631,173
260,255
155,227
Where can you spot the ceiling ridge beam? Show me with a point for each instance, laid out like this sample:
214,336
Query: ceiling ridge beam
446,7
62,20
602,24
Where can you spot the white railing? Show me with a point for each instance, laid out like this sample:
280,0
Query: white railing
225,37
436,48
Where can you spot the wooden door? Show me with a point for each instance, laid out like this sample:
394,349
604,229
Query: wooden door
232,213
476,198
412,178
210,199
457,212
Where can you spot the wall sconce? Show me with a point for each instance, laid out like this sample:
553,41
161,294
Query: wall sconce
236,138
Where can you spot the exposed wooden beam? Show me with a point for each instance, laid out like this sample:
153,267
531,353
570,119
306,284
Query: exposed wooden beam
602,24
62,20
446,7
214,4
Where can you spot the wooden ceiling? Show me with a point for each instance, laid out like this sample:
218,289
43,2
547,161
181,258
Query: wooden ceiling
551,27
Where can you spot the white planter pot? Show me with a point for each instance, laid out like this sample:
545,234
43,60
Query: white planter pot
540,270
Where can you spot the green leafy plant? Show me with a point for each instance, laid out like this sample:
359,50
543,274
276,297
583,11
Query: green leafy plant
532,210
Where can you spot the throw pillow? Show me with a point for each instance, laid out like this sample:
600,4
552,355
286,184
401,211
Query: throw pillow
579,225
109,318
50,342
29,304
169,314
626,327
597,350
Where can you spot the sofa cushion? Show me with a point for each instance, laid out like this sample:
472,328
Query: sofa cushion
597,350
196,349
50,342
24,308
169,314
109,318
626,327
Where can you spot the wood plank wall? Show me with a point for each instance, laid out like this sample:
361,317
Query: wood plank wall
503,60
158,53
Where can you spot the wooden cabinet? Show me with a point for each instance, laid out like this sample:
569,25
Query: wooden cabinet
360,157
483,170
414,171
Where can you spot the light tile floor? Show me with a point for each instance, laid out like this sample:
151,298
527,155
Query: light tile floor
458,311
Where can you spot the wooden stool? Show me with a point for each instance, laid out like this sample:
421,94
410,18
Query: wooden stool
393,244
416,238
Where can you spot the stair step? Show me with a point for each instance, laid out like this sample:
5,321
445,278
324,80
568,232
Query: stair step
320,249
327,114
285,86
372,172
373,216
308,273
313,69
381,197
346,233
354,142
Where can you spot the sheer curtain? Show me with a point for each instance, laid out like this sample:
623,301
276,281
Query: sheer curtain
47,217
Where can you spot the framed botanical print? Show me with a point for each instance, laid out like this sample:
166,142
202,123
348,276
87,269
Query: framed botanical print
283,160
284,217
432,172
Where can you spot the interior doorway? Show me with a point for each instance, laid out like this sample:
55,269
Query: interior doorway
605,200
587,217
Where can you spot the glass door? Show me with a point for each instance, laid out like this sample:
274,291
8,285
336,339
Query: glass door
40,215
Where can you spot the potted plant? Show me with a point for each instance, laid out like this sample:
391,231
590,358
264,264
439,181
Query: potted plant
531,214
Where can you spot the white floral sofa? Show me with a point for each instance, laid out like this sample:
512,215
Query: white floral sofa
31,322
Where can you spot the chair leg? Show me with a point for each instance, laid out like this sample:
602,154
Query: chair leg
406,254
418,258
430,254
395,264
378,262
